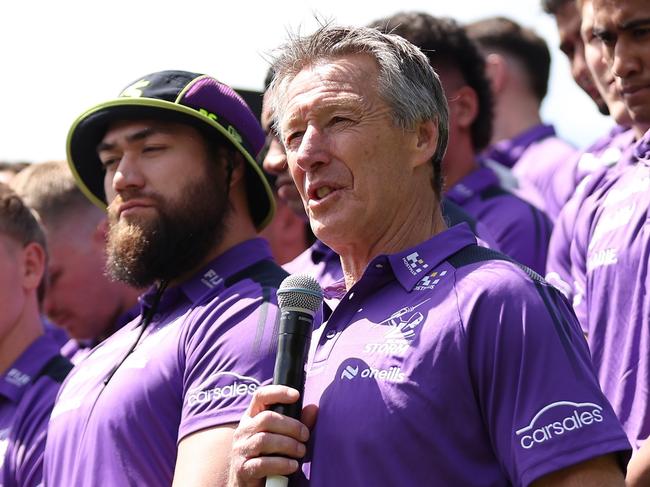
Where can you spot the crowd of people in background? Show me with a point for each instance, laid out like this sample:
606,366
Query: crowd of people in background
486,318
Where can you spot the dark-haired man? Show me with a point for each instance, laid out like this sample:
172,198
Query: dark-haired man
155,403
443,363
567,18
610,250
518,64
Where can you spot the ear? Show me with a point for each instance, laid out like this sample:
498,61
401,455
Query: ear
238,170
496,69
426,142
100,233
33,259
463,107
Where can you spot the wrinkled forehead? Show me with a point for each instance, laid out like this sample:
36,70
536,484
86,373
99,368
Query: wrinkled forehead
344,80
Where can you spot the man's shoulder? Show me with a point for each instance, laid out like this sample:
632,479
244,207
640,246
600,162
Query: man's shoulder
485,270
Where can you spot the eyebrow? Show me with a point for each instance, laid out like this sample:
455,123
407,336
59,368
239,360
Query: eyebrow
625,26
633,24
134,137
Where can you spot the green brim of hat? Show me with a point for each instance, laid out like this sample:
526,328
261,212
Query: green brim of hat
88,129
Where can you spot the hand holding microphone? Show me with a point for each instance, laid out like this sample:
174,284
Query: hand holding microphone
265,443
299,298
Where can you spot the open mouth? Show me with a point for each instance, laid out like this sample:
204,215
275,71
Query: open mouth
322,192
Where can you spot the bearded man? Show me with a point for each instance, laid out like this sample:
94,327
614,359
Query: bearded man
157,402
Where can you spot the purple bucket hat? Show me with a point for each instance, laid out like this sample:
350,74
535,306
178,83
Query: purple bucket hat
177,96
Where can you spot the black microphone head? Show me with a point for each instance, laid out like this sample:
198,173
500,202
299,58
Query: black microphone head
300,292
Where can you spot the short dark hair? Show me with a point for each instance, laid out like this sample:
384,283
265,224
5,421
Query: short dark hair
524,45
19,223
446,45
552,6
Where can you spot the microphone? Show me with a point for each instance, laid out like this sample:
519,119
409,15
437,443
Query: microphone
299,297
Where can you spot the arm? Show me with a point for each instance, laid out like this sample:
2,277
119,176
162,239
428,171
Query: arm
638,470
267,443
602,471
203,458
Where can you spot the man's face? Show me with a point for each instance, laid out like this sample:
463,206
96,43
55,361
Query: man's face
79,297
624,29
348,159
168,200
275,163
12,295
601,74
568,25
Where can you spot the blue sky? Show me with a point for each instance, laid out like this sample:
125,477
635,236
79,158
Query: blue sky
62,57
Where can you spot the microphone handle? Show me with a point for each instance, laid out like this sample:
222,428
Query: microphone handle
293,345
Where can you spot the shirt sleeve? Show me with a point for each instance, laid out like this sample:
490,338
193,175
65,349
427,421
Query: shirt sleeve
229,351
531,370
24,459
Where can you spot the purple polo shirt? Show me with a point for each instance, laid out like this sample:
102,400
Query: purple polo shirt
593,170
447,365
318,261
324,265
210,345
27,393
77,350
610,254
534,156
520,230
603,153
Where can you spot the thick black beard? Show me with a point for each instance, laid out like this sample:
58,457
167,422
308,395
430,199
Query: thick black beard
168,247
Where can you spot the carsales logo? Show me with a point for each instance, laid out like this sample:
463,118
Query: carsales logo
230,385
558,419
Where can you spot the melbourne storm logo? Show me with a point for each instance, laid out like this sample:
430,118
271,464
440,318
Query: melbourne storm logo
558,419
401,330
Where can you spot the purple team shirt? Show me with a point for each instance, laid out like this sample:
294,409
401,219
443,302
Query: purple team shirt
447,365
594,169
318,261
520,230
77,350
324,265
610,254
534,156
603,153
26,399
210,345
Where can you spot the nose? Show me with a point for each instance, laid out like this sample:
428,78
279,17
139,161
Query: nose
124,175
579,68
625,61
275,161
313,149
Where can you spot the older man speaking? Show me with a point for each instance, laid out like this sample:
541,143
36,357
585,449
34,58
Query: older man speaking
443,363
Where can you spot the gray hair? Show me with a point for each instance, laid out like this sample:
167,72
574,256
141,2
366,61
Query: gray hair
406,81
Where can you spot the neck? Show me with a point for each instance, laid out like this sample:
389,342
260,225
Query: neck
238,229
423,220
459,161
26,329
509,123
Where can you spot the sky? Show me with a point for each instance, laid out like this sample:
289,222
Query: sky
59,58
